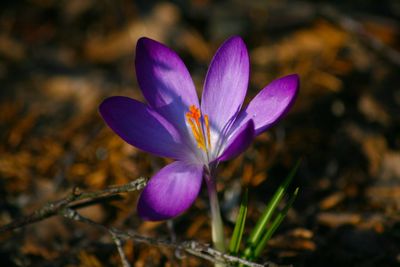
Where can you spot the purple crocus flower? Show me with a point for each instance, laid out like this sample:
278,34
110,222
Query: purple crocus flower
198,136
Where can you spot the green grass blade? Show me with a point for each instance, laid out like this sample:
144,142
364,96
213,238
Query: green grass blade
275,224
234,244
261,224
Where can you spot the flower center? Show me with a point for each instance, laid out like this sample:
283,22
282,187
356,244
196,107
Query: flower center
200,128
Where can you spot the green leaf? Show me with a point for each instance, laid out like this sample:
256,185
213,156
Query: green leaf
234,245
261,225
274,225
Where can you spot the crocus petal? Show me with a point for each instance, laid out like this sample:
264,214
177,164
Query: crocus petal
239,142
271,103
226,84
170,192
165,81
141,126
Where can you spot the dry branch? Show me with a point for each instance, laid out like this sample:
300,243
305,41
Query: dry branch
197,249
73,199
67,206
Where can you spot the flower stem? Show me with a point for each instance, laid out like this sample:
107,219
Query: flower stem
217,227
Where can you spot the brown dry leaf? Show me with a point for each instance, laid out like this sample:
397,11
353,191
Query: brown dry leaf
93,212
130,168
301,233
321,79
374,222
250,177
82,90
125,207
323,40
332,200
336,219
231,168
384,195
196,225
390,169
158,25
290,242
96,179
374,148
129,250
31,247
88,260
79,169
52,152
11,48
72,130
9,111
22,127
148,226
373,110
196,45
313,53
16,171
385,30
75,8
342,66
149,257
41,238
258,179
247,174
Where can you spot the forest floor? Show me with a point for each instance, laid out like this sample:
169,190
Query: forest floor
59,59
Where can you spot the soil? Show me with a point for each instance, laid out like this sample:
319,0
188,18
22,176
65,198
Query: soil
60,59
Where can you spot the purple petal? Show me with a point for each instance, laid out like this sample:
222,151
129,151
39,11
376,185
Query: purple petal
226,84
141,126
239,142
170,192
271,103
165,81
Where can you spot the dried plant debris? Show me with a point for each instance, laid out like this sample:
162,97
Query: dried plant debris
60,59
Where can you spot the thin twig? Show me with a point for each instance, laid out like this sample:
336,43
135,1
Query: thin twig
67,208
53,208
74,215
118,244
197,249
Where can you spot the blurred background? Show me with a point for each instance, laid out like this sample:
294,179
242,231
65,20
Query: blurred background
59,59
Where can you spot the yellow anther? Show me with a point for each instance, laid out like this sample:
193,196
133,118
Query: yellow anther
193,117
208,130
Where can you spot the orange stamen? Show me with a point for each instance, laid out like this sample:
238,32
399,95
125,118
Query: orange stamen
193,118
